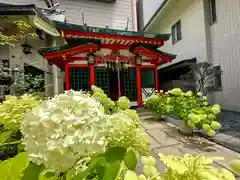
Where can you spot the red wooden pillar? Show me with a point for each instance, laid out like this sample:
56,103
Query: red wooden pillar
139,85
156,78
92,74
67,79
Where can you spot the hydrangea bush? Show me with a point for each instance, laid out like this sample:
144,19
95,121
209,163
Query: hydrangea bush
180,168
72,134
78,136
63,129
189,107
13,109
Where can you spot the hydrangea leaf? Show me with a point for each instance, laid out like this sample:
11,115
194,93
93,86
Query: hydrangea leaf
32,172
91,167
131,159
235,166
13,168
4,137
111,170
48,176
114,154
131,176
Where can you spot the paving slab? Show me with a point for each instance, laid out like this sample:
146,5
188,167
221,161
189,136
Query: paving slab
154,143
162,137
148,124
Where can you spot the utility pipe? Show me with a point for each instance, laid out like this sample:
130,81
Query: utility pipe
134,15
54,71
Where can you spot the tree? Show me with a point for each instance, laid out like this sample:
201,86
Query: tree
23,31
14,79
203,75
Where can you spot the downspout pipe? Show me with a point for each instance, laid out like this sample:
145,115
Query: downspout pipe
134,15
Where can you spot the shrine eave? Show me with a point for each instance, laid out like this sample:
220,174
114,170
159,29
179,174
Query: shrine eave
150,49
68,46
64,54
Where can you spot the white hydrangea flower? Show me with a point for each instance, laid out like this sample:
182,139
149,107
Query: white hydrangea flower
199,94
61,129
189,93
204,97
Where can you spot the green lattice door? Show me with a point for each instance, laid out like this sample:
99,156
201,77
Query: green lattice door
79,79
101,79
128,83
148,83
147,76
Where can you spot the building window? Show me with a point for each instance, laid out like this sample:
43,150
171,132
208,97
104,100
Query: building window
176,32
5,63
218,78
212,11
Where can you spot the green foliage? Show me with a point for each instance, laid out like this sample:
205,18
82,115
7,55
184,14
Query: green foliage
99,95
5,136
131,159
13,109
157,103
189,167
108,163
32,172
235,165
189,107
117,134
13,168
124,124
131,175
23,32
123,103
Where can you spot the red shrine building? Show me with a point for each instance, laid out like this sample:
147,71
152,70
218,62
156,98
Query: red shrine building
122,63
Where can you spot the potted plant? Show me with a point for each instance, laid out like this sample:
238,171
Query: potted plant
156,103
194,112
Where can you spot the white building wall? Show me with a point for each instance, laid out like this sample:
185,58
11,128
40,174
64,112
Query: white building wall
225,41
193,43
98,14
149,8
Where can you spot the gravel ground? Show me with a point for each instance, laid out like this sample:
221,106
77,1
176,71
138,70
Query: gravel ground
229,134
229,120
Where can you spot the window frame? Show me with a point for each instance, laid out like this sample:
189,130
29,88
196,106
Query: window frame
212,11
176,31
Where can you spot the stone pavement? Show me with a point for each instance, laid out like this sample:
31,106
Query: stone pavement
166,139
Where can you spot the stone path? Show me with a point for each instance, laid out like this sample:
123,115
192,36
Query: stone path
166,139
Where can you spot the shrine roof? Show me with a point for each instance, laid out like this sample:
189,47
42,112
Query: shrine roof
107,31
82,39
